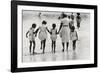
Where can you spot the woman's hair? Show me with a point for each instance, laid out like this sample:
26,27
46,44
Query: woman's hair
33,25
44,22
63,15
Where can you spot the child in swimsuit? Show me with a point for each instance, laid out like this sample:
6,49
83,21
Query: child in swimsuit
73,37
53,34
32,36
42,34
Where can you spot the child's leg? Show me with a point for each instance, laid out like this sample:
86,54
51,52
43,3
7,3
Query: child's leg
74,44
33,46
30,46
41,44
44,41
67,44
63,46
54,46
78,25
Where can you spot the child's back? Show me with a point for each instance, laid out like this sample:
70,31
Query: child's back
53,34
42,33
31,34
73,35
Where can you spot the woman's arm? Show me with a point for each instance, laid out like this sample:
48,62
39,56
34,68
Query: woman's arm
70,25
77,35
60,27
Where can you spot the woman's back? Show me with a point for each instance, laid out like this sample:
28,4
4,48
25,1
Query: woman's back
65,21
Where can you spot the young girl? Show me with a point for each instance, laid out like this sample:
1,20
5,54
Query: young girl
31,37
71,23
53,33
73,37
42,34
78,19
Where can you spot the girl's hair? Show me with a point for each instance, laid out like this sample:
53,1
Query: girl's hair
33,25
44,22
53,25
73,28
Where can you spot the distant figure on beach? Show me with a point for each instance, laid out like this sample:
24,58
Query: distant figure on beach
78,20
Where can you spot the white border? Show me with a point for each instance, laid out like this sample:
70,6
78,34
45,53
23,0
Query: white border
70,62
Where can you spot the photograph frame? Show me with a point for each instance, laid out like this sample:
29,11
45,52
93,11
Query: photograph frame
14,33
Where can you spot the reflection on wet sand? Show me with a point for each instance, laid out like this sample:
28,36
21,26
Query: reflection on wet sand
48,56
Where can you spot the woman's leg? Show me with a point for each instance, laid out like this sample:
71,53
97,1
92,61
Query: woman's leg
30,46
33,46
63,46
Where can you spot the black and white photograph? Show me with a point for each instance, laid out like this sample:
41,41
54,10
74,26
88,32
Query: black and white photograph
53,36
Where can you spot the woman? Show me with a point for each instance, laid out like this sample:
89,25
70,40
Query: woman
64,30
